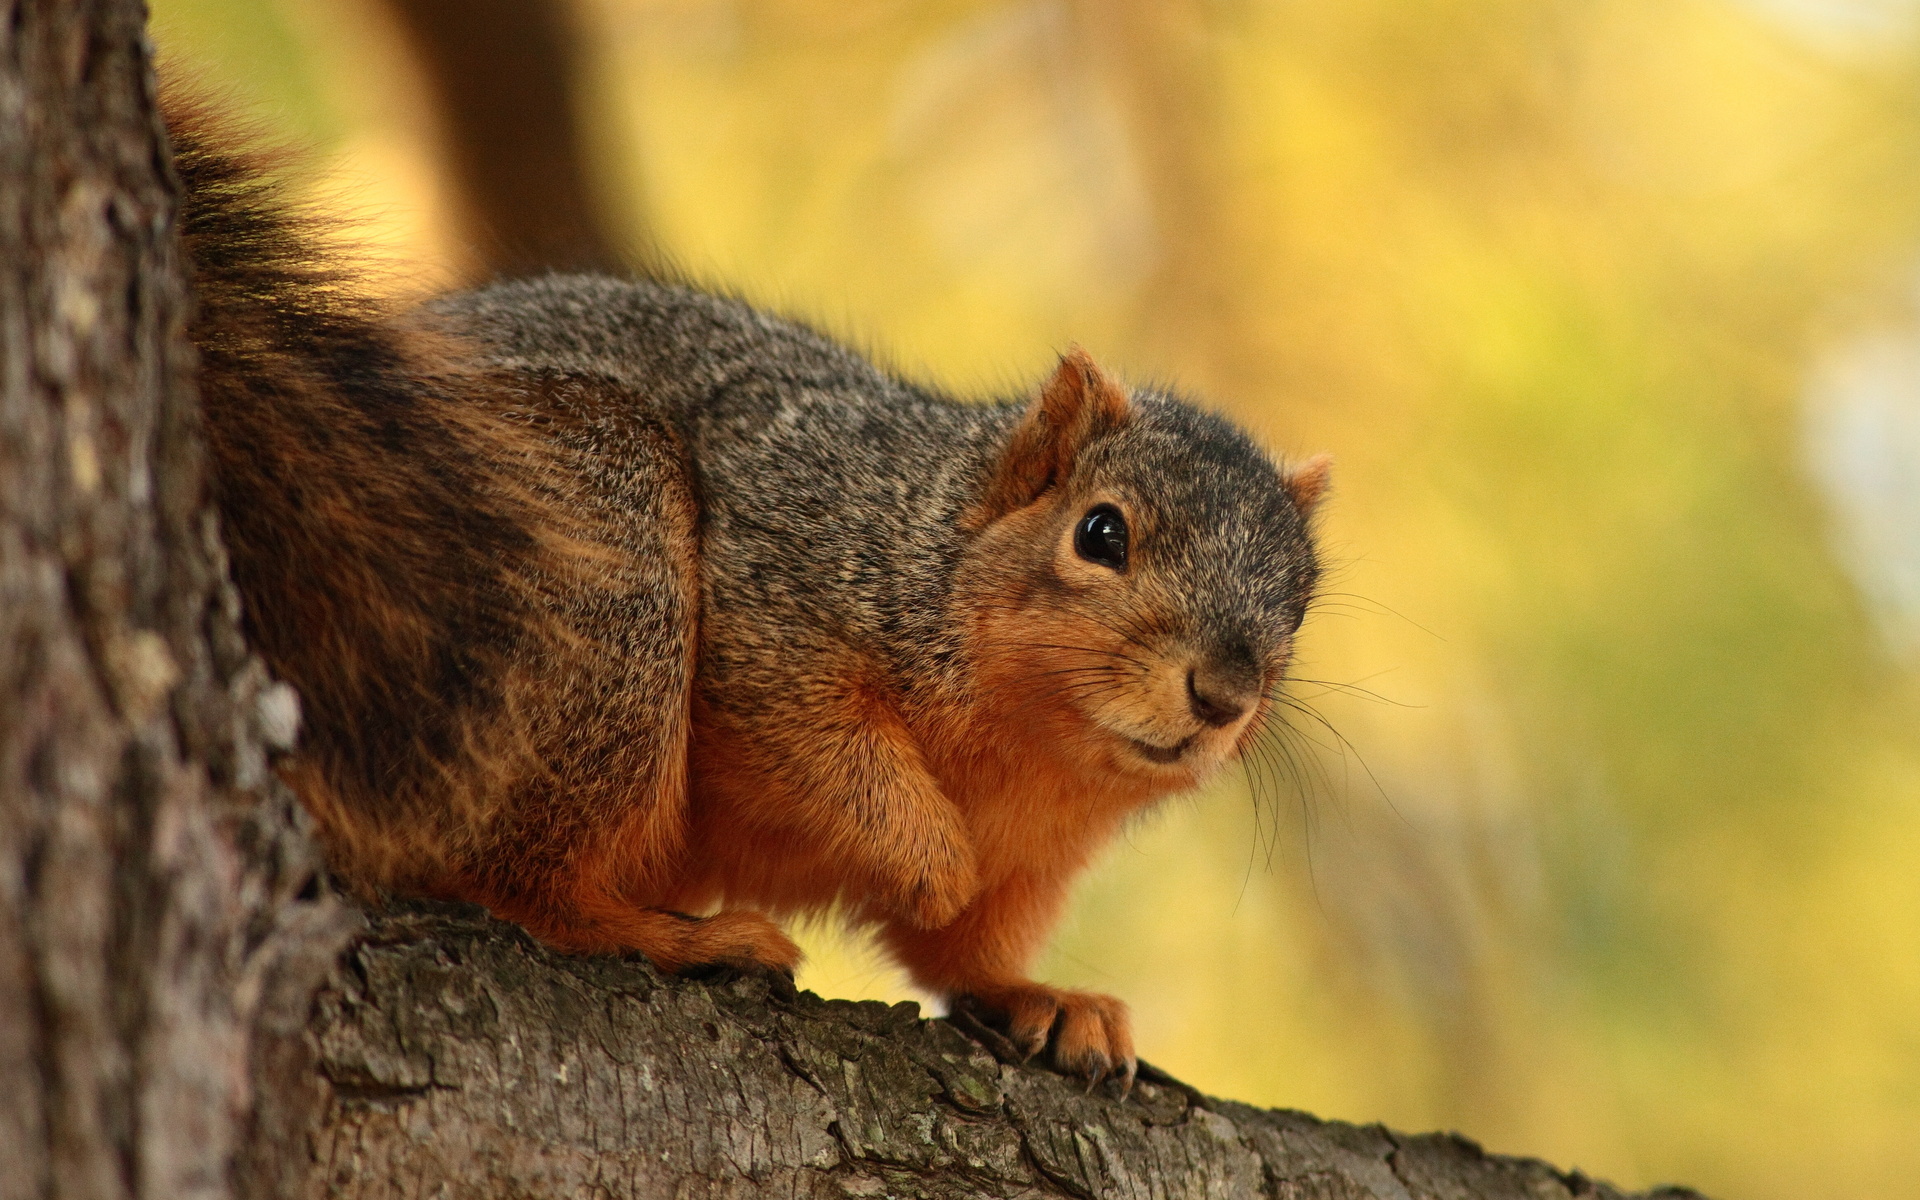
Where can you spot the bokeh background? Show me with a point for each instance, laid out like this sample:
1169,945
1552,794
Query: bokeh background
1608,846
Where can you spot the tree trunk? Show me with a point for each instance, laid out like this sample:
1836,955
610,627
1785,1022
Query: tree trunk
176,1015
148,872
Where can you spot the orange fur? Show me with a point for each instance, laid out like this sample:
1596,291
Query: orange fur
1307,483
826,800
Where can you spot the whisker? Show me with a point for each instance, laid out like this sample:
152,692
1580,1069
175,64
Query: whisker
1346,747
1353,689
1317,602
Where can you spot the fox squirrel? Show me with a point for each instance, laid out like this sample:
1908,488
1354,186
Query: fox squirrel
611,601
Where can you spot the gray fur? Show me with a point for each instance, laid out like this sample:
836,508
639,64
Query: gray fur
831,493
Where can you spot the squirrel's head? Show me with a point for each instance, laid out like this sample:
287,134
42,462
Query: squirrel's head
1139,570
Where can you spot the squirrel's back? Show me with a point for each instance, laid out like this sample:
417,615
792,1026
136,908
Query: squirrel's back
832,492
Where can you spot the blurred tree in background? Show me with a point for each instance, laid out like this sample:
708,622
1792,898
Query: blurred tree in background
505,78
1609,310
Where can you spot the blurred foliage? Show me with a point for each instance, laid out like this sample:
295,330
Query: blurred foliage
1614,857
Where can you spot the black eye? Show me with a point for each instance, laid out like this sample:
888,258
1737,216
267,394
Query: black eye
1101,537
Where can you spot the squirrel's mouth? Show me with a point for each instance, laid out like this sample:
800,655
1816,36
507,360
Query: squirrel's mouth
1161,754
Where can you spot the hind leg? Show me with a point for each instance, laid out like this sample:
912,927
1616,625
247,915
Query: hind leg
598,892
595,838
672,941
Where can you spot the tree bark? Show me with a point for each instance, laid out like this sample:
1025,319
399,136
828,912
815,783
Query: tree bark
450,1055
177,1017
148,869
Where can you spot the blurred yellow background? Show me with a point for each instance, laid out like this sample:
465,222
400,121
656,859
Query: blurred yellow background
1608,850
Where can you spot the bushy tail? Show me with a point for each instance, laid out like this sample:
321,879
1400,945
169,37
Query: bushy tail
356,467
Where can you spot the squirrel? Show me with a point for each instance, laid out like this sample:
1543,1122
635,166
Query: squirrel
611,601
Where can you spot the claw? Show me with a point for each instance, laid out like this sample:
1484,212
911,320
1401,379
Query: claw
1098,1067
1084,1035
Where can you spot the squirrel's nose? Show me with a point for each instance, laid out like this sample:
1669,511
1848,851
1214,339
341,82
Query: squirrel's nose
1221,693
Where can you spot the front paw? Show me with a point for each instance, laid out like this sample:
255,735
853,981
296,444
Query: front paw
1084,1033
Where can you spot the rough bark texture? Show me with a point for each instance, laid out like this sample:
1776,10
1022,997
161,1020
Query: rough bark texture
147,871
451,1056
176,1016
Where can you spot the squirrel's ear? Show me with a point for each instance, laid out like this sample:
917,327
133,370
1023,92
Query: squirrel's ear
1078,404
1307,483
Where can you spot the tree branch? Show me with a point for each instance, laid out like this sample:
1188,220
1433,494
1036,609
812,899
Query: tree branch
449,1054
